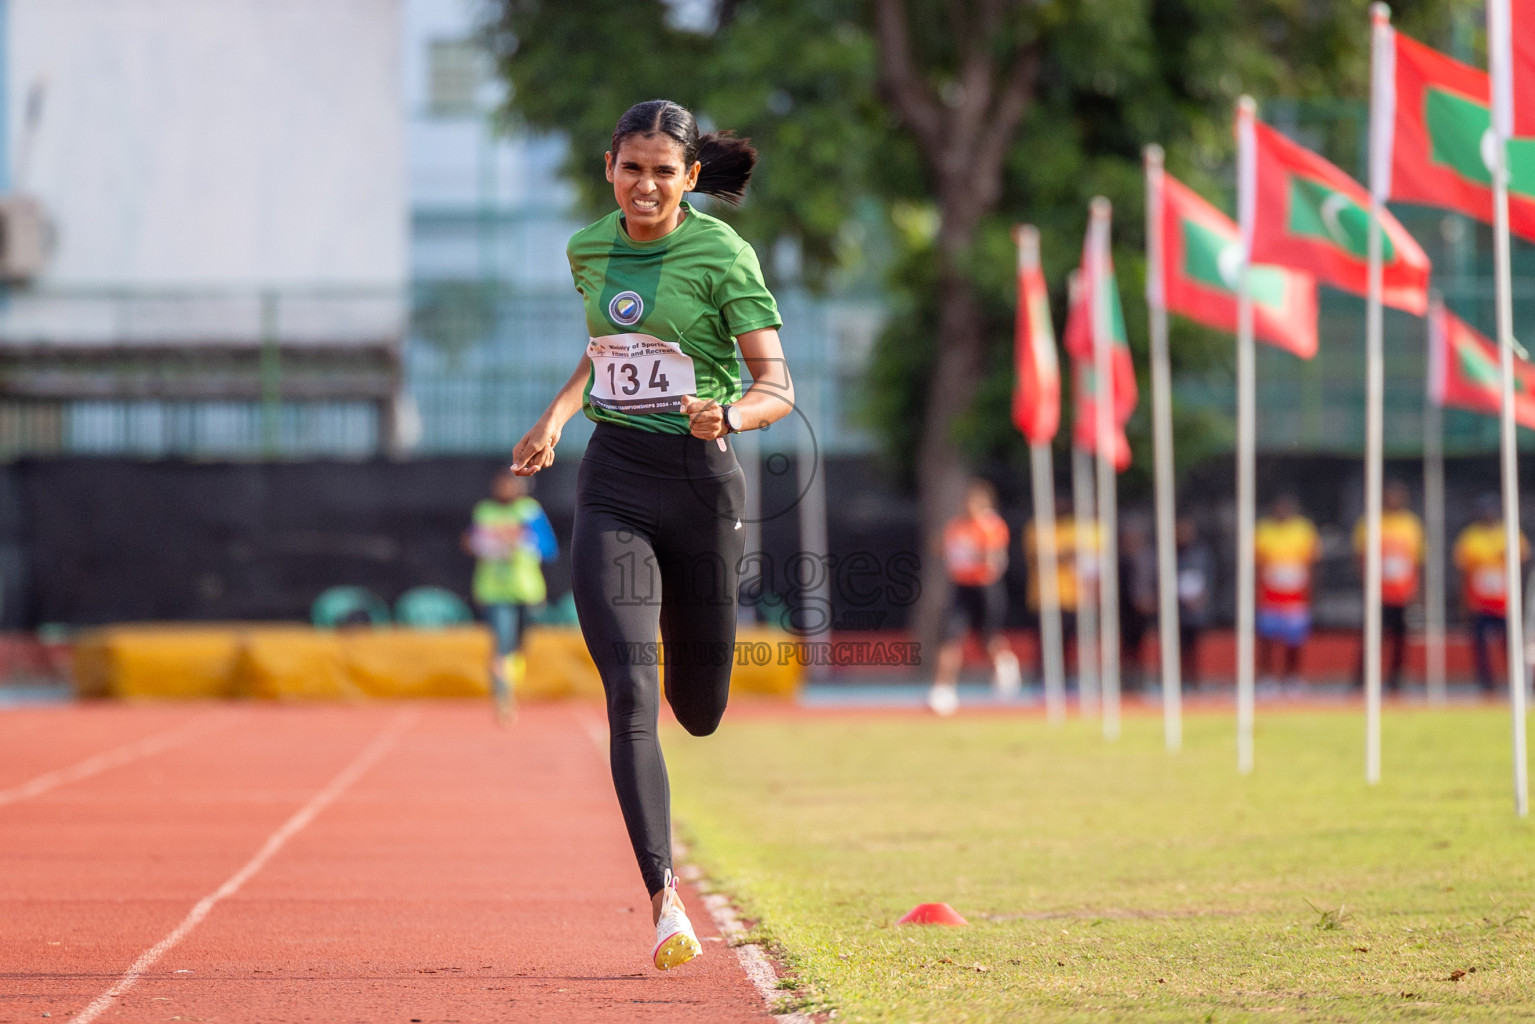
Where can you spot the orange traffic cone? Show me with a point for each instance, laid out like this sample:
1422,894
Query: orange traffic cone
933,913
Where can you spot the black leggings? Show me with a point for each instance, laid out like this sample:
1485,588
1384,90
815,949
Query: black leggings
657,545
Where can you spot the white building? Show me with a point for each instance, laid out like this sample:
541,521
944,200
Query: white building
225,185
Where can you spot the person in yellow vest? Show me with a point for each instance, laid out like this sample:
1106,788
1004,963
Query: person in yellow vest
510,537
1479,556
1286,548
1401,556
1071,537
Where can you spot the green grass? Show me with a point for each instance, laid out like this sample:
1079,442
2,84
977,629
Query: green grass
1117,882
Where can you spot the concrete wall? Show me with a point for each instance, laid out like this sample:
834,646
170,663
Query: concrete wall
214,143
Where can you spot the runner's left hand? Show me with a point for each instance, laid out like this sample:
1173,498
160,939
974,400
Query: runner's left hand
707,419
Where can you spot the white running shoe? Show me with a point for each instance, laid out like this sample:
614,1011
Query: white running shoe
943,699
1007,679
675,942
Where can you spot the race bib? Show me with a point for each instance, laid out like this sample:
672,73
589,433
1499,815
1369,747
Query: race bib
963,556
494,541
637,373
1191,585
1396,568
1286,578
1489,583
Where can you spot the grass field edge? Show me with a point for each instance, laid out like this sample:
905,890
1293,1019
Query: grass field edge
766,961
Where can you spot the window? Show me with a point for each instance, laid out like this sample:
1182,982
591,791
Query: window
456,68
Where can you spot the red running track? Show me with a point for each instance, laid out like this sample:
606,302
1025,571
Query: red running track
389,863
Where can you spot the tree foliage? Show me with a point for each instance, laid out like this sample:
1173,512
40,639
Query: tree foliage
802,79
794,77
1115,75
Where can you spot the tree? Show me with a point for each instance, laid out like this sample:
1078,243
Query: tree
797,78
961,86
959,117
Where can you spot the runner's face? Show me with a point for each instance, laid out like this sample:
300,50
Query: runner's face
649,181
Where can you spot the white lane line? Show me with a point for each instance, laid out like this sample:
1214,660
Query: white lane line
146,747
596,732
317,803
754,959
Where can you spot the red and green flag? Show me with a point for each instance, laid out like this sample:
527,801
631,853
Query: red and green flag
1306,214
1088,284
1464,371
1521,18
1037,391
1200,260
1433,121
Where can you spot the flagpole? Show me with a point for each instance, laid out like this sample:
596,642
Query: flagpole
1246,437
1499,43
1108,496
1041,464
1052,655
1085,539
1433,522
1085,533
1375,387
1162,428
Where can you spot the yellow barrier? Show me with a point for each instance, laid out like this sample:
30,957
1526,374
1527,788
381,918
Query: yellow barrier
157,661
294,663
287,662
412,663
779,677
560,666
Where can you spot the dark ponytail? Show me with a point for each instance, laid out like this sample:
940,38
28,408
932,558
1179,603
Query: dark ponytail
727,160
727,165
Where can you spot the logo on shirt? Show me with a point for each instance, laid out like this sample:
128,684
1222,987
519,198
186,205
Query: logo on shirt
626,308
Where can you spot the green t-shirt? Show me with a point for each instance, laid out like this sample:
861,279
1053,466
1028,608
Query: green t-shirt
506,546
663,317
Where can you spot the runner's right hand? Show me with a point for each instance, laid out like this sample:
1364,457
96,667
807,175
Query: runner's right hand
536,449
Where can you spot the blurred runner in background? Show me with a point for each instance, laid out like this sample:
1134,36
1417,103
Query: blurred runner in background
1286,547
1196,582
510,537
1401,555
975,554
1479,553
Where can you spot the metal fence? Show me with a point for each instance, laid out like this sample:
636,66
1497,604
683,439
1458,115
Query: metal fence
286,372
302,374
483,361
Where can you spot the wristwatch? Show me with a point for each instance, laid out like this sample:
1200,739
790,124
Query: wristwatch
732,420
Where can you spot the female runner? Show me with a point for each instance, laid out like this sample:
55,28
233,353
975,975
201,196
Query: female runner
669,292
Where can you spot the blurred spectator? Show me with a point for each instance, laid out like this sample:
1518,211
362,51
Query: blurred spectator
1479,556
1196,581
1067,537
509,537
1137,600
975,555
1286,547
1401,555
